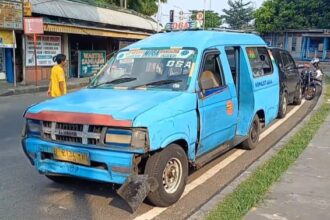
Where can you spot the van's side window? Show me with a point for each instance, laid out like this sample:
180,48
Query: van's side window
260,61
211,76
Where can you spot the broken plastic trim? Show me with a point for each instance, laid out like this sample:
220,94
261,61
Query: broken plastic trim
136,189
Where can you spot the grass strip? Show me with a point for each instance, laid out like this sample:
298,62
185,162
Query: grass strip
252,190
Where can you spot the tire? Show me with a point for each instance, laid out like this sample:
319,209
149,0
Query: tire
283,105
59,179
298,96
158,165
310,92
251,142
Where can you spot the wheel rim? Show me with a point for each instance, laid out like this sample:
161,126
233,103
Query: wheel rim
310,92
172,175
254,132
284,105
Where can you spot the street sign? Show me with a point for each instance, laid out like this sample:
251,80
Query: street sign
11,15
33,26
7,39
200,16
90,62
181,25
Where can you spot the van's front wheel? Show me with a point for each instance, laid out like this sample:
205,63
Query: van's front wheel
254,132
169,167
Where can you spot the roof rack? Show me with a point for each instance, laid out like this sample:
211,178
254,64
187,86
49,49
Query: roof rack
252,31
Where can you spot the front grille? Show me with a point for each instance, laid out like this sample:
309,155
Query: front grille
69,127
72,133
69,139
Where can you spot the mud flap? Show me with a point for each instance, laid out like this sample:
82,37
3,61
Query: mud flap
136,189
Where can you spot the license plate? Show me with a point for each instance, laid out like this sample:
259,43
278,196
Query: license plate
70,156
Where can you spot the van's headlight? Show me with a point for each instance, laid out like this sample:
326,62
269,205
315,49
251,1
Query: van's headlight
135,138
140,138
33,127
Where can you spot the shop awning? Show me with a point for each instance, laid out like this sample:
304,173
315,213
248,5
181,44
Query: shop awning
316,35
103,32
85,12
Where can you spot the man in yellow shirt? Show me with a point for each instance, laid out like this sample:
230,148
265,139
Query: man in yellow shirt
57,84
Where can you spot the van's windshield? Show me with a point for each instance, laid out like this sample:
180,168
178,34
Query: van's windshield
148,68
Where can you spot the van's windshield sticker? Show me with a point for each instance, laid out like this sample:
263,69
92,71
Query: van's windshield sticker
156,53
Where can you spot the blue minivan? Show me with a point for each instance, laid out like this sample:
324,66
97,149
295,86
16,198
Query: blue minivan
160,105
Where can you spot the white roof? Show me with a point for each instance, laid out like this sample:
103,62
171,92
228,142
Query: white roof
85,12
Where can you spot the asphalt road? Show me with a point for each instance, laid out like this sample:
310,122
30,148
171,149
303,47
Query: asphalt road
25,194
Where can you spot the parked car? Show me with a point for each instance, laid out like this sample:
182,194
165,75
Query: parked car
160,105
290,80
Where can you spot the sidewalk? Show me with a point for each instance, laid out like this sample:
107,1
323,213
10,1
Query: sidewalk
303,191
9,89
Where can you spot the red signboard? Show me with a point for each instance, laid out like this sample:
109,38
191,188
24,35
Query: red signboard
33,26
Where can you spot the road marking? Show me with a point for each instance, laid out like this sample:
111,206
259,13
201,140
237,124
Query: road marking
280,122
152,213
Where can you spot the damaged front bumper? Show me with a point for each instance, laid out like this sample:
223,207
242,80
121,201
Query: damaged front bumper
136,189
105,165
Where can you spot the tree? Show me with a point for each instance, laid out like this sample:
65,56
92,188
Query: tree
146,7
279,15
239,14
212,19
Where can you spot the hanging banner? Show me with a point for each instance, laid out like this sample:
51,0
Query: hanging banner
7,39
11,15
90,62
27,8
47,47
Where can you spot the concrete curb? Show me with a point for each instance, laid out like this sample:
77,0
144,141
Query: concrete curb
218,198
35,89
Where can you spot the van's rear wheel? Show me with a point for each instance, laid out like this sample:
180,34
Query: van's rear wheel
254,132
298,96
169,167
283,106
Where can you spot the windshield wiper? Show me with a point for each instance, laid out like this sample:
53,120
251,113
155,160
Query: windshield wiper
116,81
159,83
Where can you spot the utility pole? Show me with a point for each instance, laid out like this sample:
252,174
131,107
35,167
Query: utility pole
204,14
158,16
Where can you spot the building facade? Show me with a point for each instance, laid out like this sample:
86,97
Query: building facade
87,34
11,27
302,44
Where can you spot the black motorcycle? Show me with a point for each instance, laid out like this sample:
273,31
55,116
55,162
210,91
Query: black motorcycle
308,84
311,78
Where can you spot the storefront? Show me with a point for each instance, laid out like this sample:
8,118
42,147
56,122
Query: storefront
88,41
89,53
11,25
